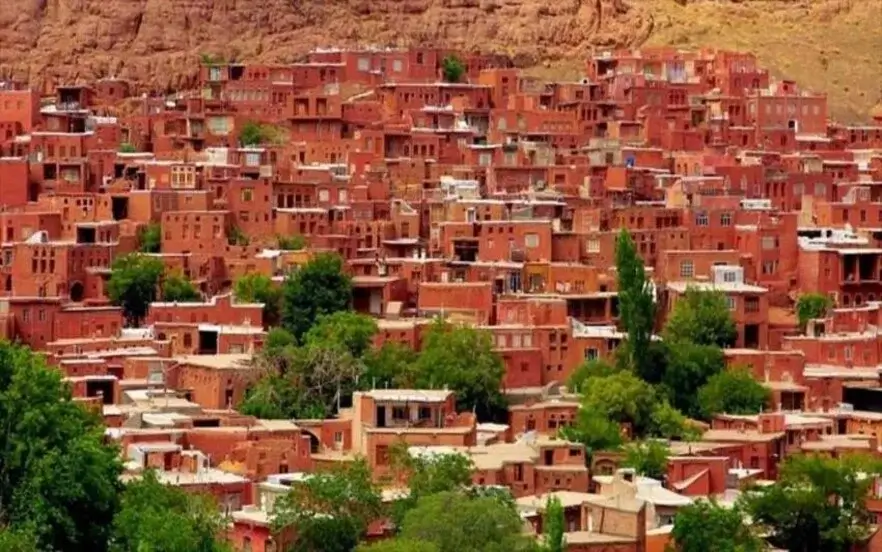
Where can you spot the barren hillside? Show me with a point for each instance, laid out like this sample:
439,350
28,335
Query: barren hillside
829,45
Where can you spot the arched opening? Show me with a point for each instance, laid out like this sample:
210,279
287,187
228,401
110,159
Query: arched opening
77,292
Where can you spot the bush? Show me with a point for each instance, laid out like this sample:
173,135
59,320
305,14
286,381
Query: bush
452,69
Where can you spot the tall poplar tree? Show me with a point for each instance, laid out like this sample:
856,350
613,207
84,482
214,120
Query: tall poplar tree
636,302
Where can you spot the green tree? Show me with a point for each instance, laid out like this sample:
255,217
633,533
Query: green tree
292,243
163,518
427,475
387,366
150,238
689,367
462,359
818,504
701,317
621,397
705,525
595,431
178,289
648,458
670,423
636,303
553,526
733,391
319,287
59,479
250,134
589,369
126,147
259,288
330,511
452,69
460,522
351,331
132,285
812,305
235,236
17,540
279,339
398,545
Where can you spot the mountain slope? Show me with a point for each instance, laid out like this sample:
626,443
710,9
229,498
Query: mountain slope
157,43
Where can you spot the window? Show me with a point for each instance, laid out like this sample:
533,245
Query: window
382,455
364,64
848,352
726,219
252,159
25,315
687,269
484,159
531,240
729,276
397,66
41,315
247,194
730,301
820,189
751,304
701,219
591,353
768,242
324,196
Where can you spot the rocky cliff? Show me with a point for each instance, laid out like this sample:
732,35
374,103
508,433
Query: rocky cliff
157,43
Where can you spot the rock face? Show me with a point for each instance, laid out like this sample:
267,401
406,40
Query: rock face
156,43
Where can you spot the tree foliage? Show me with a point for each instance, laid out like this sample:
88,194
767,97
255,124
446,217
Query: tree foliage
817,504
704,526
648,458
426,475
126,147
132,285
399,545
452,68
59,480
689,367
812,305
733,391
319,287
162,518
554,526
387,366
292,243
462,359
621,397
178,289
150,238
701,317
589,369
636,302
330,510
259,288
463,522
349,331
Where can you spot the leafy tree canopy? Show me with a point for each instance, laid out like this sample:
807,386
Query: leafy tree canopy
164,518
259,288
648,458
292,243
347,330
150,238
59,480
461,522
319,287
817,504
812,305
330,510
132,285
701,317
589,369
427,475
554,526
462,359
452,68
178,289
388,366
689,367
733,391
705,525
636,303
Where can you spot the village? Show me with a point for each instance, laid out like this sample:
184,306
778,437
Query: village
678,245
